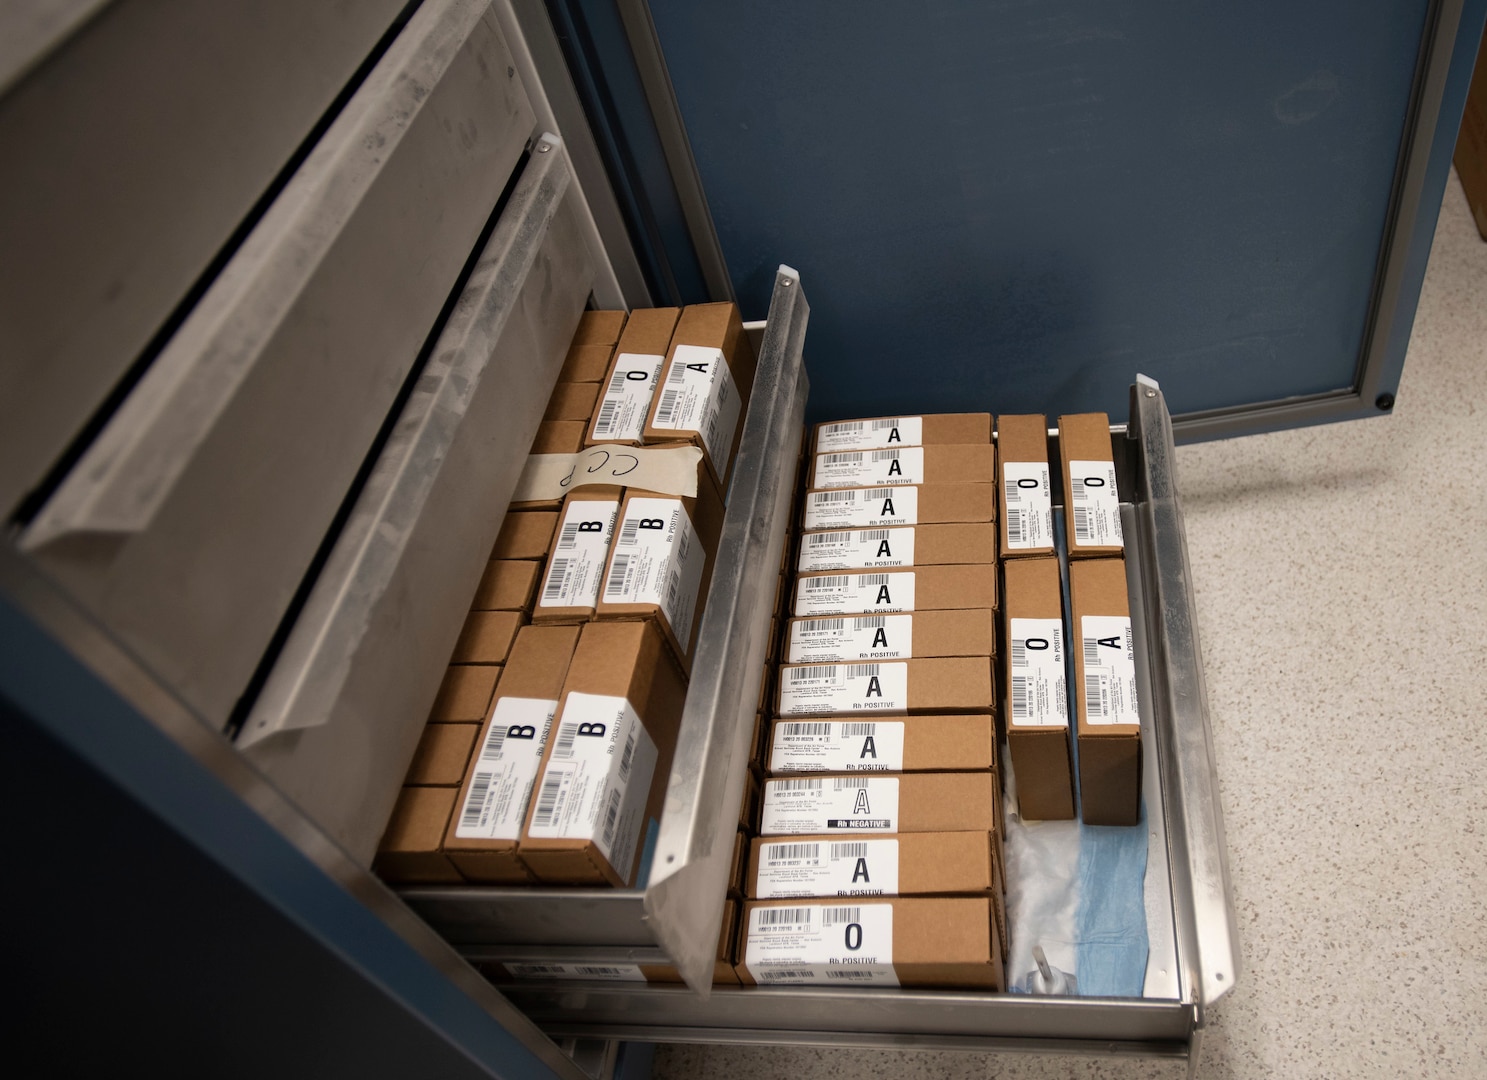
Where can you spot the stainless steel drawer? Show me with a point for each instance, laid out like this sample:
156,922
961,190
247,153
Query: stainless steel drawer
187,526
133,149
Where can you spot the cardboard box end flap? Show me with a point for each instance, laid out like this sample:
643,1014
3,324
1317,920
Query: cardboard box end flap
1025,488
958,463
886,687
897,864
888,505
506,585
891,636
409,851
874,591
862,803
629,383
1091,488
879,432
574,572
903,546
925,743
1109,723
1035,682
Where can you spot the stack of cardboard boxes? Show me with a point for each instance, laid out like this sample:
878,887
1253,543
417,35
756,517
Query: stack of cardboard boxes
879,859
548,750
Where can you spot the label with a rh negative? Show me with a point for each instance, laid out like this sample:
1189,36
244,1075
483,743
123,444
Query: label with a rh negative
1109,670
1039,693
1095,503
847,594
851,549
810,805
790,868
850,637
577,563
843,689
699,395
1029,504
865,468
861,508
820,945
627,398
870,434
837,746
501,785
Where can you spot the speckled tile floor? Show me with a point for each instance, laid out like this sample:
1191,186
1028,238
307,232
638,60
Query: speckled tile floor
1341,576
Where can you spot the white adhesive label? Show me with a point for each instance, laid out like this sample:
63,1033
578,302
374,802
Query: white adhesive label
864,468
1095,503
1038,690
837,746
843,594
1109,670
597,777
1029,504
627,398
870,434
657,560
850,549
791,868
806,806
630,973
861,637
861,508
577,563
501,781
699,395
817,945
843,689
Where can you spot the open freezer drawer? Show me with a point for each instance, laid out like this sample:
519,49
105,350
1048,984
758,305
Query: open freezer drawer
676,918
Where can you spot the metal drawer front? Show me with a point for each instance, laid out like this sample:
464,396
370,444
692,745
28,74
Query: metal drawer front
338,720
189,523
131,154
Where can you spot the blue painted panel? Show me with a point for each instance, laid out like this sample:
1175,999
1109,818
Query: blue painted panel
1016,206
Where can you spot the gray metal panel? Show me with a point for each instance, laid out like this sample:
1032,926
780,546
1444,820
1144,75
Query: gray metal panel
338,720
139,142
189,523
682,907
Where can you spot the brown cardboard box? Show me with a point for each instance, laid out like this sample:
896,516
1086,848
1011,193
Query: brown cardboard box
913,465
605,769
843,638
705,386
599,328
1105,676
482,836
911,545
922,504
764,696
525,535
1471,144
661,563
1026,488
558,437
907,744
506,585
837,803
737,863
631,378
487,637
902,864
881,432
580,550
572,401
1092,497
925,588
443,754
748,810
944,942
887,687
1037,691
586,364
409,851
464,694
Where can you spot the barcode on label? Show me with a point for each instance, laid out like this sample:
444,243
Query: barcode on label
814,673
1020,705
1093,705
612,815
777,975
811,626
834,916
845,783
475,801
677,373
803,730
563,748
880,493
1014,493
568,539
1076,485
547,800
885,455
845,427
870,622
627,755
1082,529
852,458
826,498
820,584
868,580
495,738
608,413
817,539
667,407
801,784
849,973
788,852
1019,654
849,851
1091,650
617,572
868,535
783,916
857,731
1014,526
862,671
557,577
630,532
598,971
